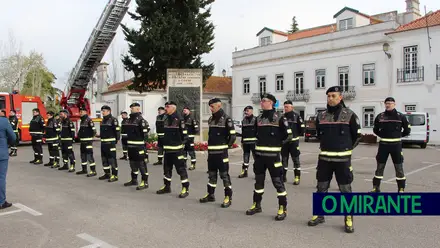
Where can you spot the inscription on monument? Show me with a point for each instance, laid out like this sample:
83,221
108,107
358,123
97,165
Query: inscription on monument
186,96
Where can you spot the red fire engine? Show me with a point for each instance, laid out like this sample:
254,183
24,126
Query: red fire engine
23,106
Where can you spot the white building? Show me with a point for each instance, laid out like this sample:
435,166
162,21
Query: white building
350,53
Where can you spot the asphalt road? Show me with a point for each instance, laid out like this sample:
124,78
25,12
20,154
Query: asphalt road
59,209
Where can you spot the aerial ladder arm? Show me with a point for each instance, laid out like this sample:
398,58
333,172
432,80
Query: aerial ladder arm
92,54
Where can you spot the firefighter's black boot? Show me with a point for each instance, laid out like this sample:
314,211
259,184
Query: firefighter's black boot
227,202
113,178
348,220
193,166
244,172
14,153
124,157
56,164
159,161
50,163
83,171
39,160
316,220
92,173
184,193
106,176
207,198
142,185
282,213
297,173
256,208
133,181
72,167
11,152
376,185
65,167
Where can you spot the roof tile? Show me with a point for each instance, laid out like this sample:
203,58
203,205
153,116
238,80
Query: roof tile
433,19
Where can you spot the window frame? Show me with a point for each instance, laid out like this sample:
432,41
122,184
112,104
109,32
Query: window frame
371,116
319,79
281,78
246,81
369,72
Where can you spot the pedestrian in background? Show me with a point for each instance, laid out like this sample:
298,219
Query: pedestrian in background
6,136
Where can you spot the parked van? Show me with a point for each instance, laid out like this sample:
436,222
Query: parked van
419,122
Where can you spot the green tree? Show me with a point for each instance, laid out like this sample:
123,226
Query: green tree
173,34
38,82
293,26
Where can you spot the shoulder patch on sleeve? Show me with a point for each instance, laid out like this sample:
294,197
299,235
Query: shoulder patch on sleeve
229,122
286,123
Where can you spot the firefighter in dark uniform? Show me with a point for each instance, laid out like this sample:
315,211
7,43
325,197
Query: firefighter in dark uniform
124,121
248,138
338,130
390,126
272,132
175,136
14,124
221,136
110,133
36,129
193,128
159,130
51,136
137,129
291,148
67,136
86,133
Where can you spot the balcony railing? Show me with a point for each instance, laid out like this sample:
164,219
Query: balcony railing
256,98
348,92
437,72
298,95
408,75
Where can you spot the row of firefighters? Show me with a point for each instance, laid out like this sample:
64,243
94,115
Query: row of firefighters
270,137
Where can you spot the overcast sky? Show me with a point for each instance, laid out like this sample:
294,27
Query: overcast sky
60,28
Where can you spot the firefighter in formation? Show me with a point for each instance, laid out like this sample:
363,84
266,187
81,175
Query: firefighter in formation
248,138
160,134
67,136
36,130
110,134
86,133
51,136
124,122
193,129
13,120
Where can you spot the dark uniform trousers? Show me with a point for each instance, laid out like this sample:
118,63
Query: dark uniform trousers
37,140
247,149
395,150
177,159
189,150
108,157
86,149
137,159
67,151
160,146
340,166
272,163
124,145
54,152
292,149
218,162
16,143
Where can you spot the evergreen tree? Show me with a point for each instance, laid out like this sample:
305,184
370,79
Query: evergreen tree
293,26
173,34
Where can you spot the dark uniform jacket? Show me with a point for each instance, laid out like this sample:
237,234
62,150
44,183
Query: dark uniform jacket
272,132
67,130
87,129
14,123
221,133
175,132
52,130
191,125
249,130
159,125
36,126
123,128
390,126
137,129
296,124
109,129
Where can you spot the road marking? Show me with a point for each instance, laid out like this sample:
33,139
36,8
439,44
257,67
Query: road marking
415,171
27,209
96,243
370,180
11,212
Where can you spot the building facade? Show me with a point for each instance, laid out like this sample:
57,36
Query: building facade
363,54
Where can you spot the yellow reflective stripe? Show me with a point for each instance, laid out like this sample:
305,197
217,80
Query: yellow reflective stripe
112,149
212,185
225,160
73,129
289,131
89,147
70,147
66,138
86,139
400,178
141,152
36,132
379,177
282,193
160,134
106,168
249,139
196,126
359,131
184,181
302,125
49,139
336,154
168,179
232,132
118,128
109,139
268,149
278,164
92,164
131,142
58,129
259,191
219,147
181,157
145,130
25,126
191,136
409,126
297,138
39,140
173,147
390,140
351,168
185,131
15,131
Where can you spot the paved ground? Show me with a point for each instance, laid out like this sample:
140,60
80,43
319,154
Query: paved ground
58,209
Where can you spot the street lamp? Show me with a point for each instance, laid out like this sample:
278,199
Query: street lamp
386,48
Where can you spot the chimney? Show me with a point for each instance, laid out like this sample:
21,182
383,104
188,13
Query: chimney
412,6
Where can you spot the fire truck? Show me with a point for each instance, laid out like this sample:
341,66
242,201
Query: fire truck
92,54
23,106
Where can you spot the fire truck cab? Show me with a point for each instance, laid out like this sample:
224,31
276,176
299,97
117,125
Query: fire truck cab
23,106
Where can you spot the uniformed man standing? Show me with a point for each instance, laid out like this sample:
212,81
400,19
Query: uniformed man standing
124,121
291,148
272,132
52,130
110,134
14,124
338,130
159,130
193,128
137,135
86,133
175,136
248,138
390,126
67,136
36,129
221,137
